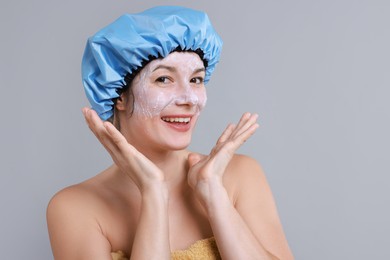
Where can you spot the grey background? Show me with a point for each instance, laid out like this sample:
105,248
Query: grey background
317,72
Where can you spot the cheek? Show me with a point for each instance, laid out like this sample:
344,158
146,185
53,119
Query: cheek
149,103
159,100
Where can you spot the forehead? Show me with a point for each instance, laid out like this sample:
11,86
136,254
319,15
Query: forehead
180,60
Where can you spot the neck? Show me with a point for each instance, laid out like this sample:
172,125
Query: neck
168,161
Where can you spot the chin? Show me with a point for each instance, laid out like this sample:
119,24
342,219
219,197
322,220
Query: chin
178,144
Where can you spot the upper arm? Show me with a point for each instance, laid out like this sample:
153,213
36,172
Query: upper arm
73,230
256,205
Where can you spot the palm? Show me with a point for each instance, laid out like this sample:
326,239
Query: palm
209,168
129,160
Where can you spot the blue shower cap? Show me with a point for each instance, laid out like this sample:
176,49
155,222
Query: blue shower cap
123,46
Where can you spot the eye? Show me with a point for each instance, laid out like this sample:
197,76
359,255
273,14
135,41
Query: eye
162,79
197,80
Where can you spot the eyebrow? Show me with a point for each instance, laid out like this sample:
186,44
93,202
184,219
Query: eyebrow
173,69
200,70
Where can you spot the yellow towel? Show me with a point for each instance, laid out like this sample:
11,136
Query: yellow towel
202,249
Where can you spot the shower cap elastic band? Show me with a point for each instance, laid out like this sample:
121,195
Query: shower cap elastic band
123,46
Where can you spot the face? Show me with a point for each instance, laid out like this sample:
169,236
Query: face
168,95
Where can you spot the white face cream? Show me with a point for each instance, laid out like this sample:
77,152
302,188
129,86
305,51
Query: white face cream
166,84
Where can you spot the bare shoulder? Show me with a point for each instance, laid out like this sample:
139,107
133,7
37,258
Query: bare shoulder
72,205
249,183
243,171
73,227
82,203
77,199
245,166
87,198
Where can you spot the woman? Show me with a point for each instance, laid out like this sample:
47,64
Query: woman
146,73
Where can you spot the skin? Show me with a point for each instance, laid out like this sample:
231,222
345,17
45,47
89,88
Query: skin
158,197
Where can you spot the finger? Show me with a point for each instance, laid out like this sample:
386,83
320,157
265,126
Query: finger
226,133
91,120
85,113
241,138
119,140
94,122
251,121
96,125
193,158
231,146
244,118
84,109
246,124
237,134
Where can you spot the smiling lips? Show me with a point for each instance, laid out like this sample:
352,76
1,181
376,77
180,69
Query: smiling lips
179,123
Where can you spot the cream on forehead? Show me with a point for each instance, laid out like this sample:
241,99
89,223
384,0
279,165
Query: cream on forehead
180,68
178,59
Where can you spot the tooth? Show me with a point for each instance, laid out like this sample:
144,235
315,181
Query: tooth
176,119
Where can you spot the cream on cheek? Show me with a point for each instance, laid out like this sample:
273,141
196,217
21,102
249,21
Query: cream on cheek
150,99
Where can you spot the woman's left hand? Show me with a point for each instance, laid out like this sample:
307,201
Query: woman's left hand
207,171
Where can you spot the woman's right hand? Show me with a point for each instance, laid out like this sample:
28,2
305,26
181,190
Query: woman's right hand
129,160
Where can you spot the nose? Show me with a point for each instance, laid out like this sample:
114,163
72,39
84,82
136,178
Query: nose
186,96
